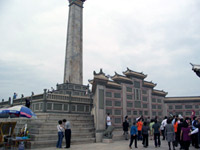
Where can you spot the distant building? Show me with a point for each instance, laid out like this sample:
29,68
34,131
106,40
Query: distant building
182,105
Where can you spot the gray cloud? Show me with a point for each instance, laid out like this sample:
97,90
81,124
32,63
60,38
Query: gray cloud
157,37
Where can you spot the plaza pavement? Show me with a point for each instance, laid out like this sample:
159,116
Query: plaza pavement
116,145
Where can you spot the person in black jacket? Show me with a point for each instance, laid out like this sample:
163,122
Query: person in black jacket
145,134
125,127
180,125
197,125
28,103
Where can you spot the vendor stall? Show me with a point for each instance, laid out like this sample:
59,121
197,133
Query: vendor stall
7,137
9,140
7,133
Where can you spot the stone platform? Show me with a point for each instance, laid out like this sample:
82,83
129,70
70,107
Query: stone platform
117,145
107,140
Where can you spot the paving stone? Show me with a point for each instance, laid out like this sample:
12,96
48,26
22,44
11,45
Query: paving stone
116,145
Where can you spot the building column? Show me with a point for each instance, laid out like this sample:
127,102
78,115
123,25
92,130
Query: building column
99,112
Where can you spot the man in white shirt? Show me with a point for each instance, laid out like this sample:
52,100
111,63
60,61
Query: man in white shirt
162,127
108,121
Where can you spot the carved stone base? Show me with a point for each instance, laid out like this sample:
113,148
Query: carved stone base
107,141
99,137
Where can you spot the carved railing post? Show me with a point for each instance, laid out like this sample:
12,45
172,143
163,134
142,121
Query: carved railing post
31,100
70,102
21,99
9,100
45,100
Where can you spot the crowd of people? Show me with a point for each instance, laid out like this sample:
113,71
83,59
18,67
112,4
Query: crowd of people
176,130
64,130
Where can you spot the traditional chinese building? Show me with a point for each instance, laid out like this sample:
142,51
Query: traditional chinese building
130,94
125,94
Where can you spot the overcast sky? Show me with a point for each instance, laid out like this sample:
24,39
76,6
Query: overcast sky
157,37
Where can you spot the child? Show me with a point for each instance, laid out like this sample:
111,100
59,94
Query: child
60,134
133,133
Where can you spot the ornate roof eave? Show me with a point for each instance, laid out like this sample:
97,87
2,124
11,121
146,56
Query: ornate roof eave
119,78
96,82
149,84
131,73
182,98
191,99
100,75
99,78
159,93
111,84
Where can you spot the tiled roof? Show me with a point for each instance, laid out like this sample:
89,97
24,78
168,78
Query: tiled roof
158,92
129,72
149,84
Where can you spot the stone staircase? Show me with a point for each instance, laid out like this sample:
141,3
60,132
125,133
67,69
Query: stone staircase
43,130
118,134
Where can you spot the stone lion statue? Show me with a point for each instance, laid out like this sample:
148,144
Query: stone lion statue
108,132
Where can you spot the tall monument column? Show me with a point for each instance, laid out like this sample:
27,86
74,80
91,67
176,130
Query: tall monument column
73,72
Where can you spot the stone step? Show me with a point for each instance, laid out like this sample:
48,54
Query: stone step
70,119
53,122
39,120
46,130
77,129
118,134
41,137
52,143
54,127
61,116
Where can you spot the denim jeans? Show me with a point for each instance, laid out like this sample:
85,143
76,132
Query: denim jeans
60,138
145,140
157,139
139,135
126,135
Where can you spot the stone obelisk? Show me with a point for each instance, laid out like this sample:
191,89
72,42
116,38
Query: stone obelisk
73,72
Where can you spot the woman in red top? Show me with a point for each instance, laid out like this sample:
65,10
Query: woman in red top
175,130
139,127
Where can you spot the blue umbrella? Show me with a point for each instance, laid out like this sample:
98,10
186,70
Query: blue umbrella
17,111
